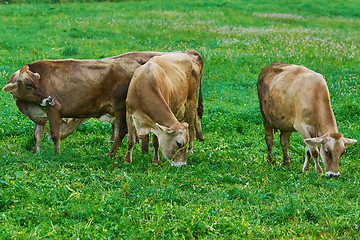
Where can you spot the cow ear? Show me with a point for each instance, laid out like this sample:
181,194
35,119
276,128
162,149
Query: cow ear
11,87
348,142
165,129
314,142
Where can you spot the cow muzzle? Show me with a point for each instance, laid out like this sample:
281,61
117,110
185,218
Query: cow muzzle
178,164
332,174
47,101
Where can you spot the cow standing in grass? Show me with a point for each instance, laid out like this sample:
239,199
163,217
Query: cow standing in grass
294,98
162,99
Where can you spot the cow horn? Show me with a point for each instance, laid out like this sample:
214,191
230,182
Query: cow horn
37,75
185,124
24,69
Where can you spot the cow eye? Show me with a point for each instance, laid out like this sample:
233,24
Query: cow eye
326,151
179,144
29,85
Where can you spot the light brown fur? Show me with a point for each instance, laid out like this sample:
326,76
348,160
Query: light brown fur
294,98
162,96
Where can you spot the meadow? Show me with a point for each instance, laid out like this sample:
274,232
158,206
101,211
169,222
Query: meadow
227,190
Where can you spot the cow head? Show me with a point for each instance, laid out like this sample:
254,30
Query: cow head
24,86
173,141
332,148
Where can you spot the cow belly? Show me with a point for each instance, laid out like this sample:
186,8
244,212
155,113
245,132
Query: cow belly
281,123
280,119
87,112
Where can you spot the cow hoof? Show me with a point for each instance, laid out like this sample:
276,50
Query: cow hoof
111,155
287,164
128,157
270,162
200,138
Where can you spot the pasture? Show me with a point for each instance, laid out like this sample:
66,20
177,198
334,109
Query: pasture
227,191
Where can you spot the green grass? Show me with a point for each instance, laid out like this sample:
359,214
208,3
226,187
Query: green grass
227,191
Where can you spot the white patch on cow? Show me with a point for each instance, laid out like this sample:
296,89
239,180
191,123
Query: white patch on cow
44,102
332,174
47,100
331,142
21,76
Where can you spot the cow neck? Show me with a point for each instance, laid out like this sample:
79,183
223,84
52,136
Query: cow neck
326,123
164,116
157,107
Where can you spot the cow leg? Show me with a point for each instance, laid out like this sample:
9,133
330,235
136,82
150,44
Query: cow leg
306,166
116,139
199,134
119,132
310,151
38,135
131,138
315,154
131,144
284,141
155,143
190,118
54,122
145,144
269,138
113,132
191,139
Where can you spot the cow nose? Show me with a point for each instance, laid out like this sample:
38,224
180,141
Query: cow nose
332,174
178,164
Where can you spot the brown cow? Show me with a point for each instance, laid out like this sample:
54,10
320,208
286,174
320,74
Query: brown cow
294,98
75,89
162,99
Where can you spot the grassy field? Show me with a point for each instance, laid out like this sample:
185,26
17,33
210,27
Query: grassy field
227,191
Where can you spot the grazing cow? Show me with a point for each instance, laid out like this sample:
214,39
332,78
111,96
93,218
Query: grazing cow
75,89
294,98
162,99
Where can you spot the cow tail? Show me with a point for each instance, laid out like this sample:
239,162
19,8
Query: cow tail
200,108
